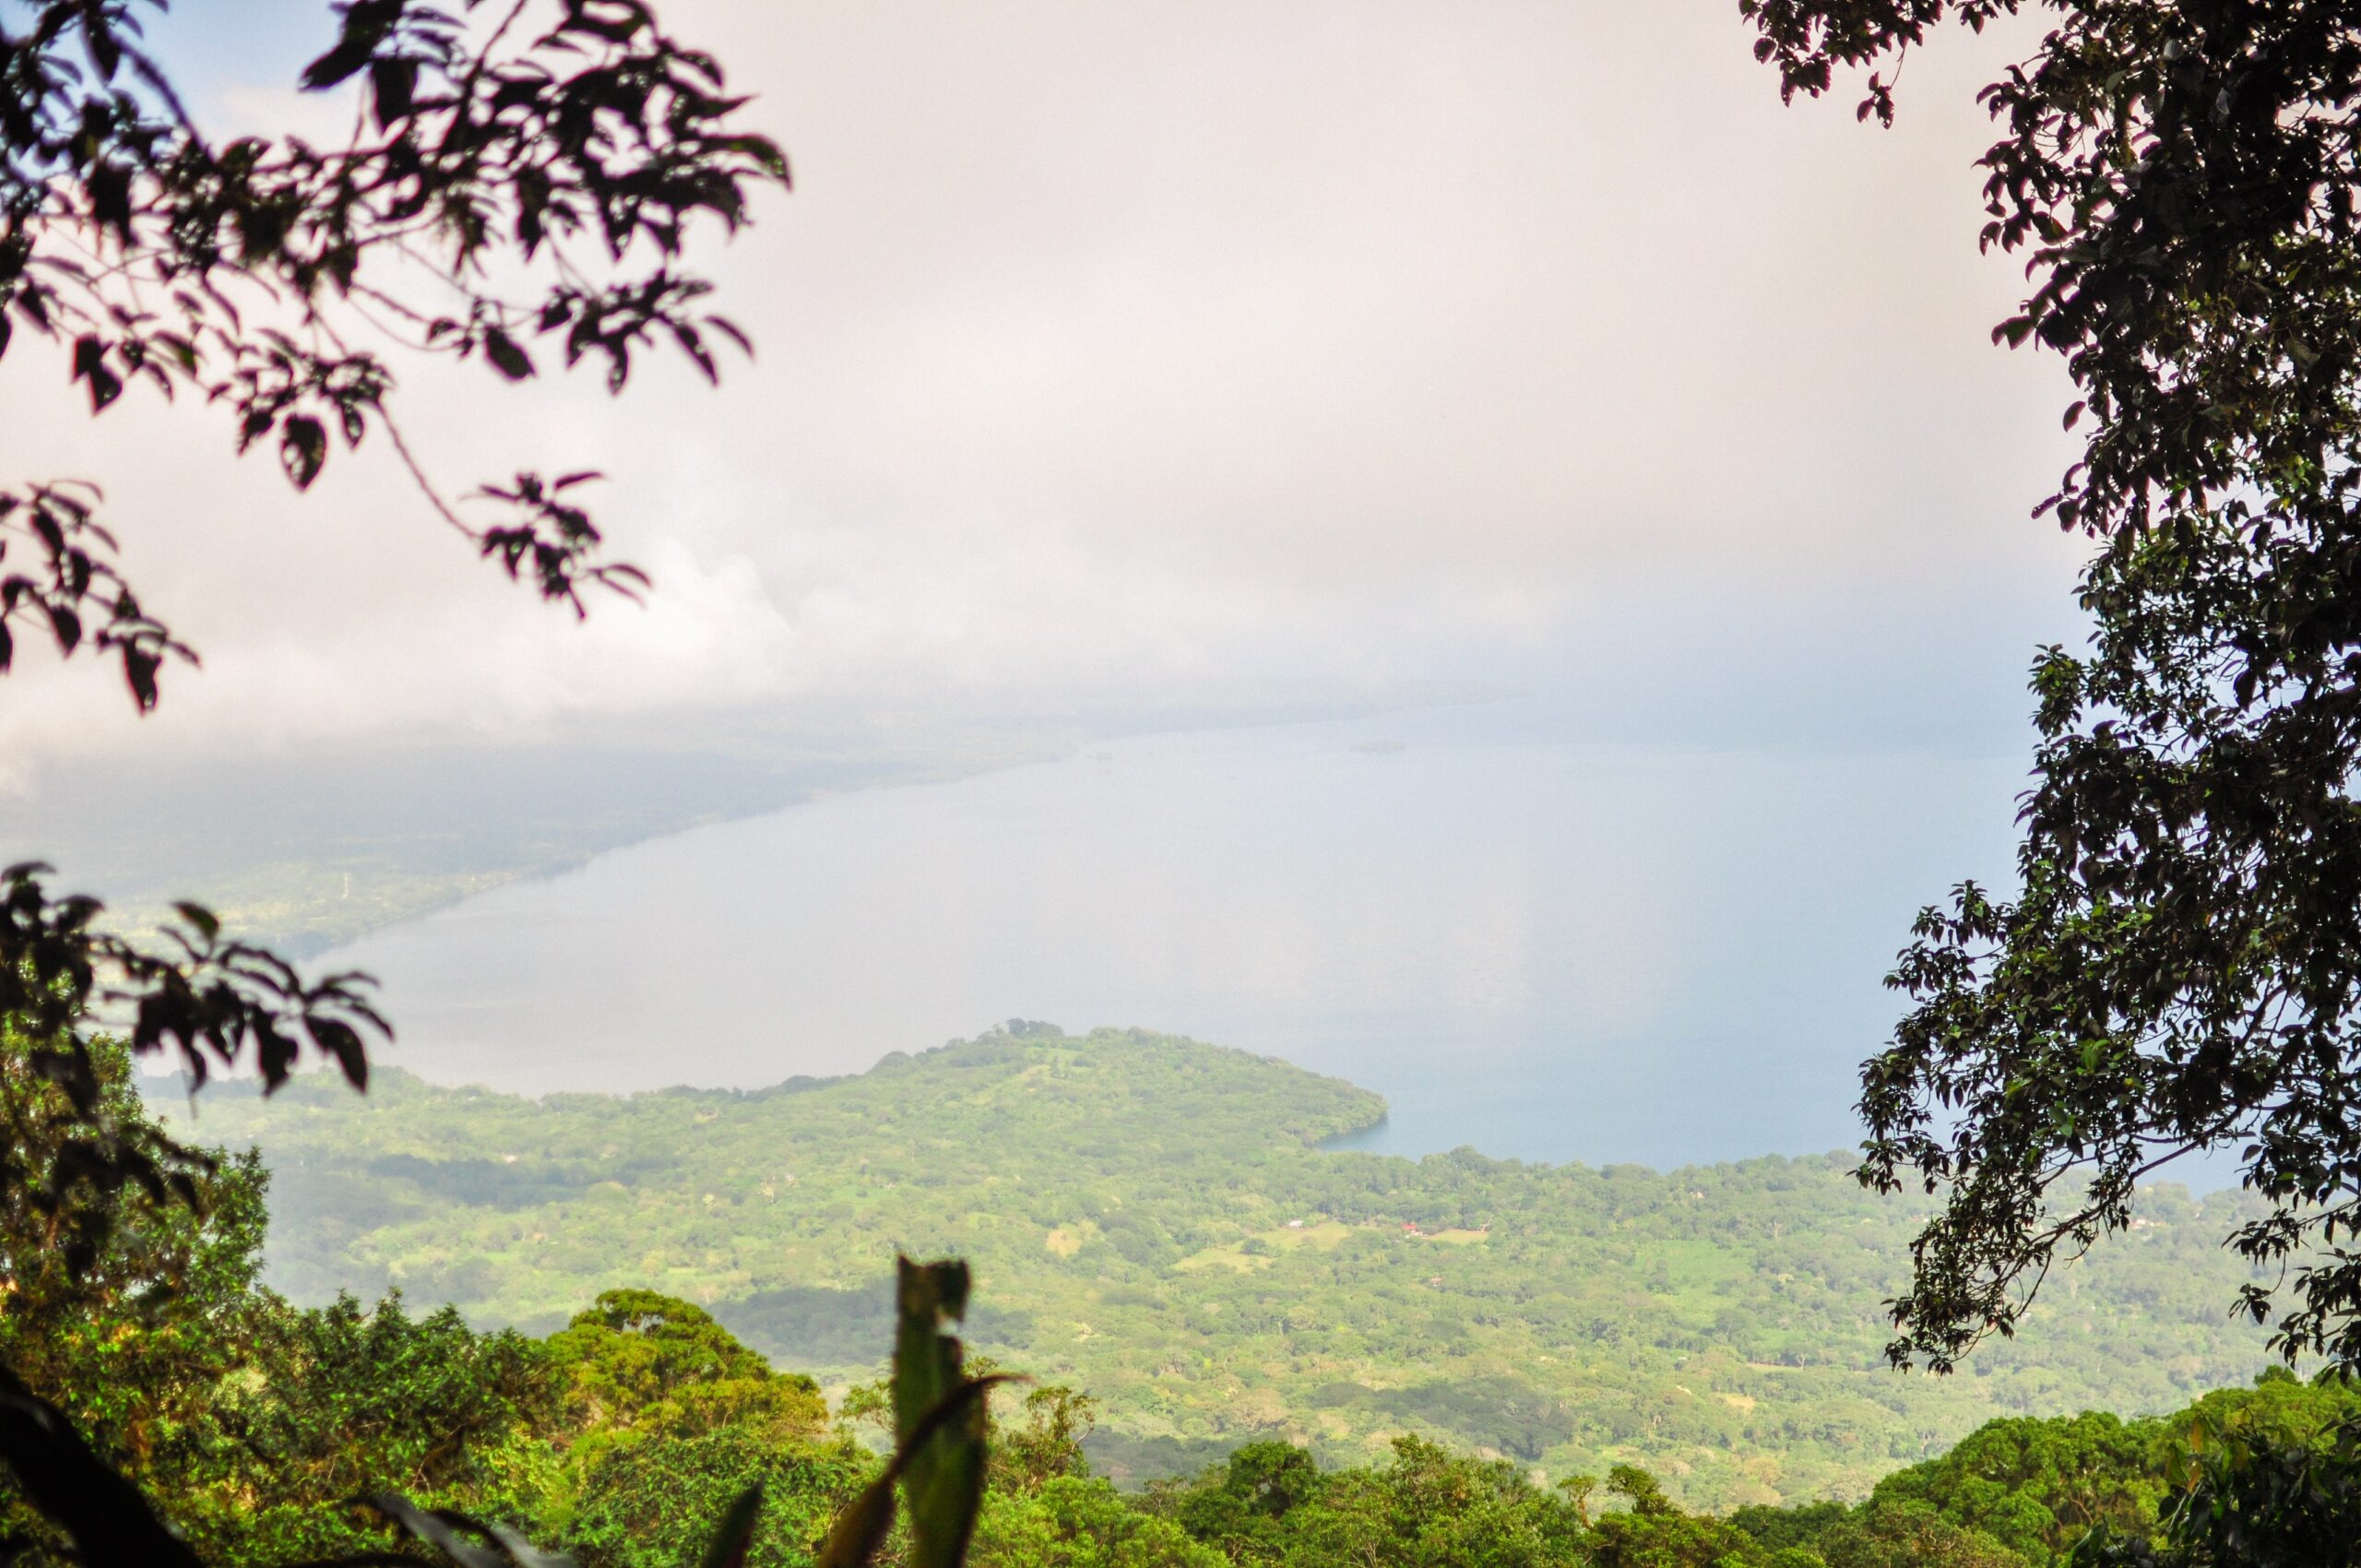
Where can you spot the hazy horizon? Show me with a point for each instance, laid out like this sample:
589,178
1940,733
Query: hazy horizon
1122,371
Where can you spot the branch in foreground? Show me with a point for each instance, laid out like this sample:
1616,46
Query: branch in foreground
203,998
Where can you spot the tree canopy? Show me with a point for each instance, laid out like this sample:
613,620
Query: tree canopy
2180,967
234,1428
640,1364
1158,1228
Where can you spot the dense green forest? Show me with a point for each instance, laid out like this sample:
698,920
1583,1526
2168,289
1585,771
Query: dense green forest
659,1330
258,1427
1152,1220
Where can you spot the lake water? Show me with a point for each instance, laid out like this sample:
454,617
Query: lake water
1540,948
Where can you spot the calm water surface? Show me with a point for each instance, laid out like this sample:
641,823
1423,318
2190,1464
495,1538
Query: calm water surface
1542,948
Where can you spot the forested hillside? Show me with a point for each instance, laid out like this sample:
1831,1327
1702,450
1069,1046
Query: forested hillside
1150,1220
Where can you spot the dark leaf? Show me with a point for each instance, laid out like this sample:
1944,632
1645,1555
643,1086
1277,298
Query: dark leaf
341,1040
90,365
439,1529
942,1482
367,24
103,1513
392,87
202,919
302,448
505,354
861,1530
734,1536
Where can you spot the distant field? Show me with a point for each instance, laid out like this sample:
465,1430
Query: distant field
1150,1220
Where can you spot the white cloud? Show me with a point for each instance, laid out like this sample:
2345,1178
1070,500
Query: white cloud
1136,343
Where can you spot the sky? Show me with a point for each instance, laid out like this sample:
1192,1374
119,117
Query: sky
1112,355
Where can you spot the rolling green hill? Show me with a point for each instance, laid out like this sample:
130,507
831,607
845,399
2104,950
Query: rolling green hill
1152,1220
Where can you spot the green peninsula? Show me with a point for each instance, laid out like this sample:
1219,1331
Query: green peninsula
1154,1221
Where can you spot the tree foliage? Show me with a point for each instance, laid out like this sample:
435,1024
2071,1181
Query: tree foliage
517,177
1163,1233
124,1339
643,1435
2038,1486
2181,965
2273,1482
636,1364
354,1401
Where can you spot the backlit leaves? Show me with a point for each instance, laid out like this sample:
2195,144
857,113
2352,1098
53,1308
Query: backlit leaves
552,542
575,138
209,1002
57,574
2180,967
571,146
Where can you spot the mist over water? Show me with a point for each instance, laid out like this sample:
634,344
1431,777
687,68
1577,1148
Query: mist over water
1543,948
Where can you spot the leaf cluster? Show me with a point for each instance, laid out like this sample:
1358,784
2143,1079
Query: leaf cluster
203,998
570,145
527,173
2180,965
638,1365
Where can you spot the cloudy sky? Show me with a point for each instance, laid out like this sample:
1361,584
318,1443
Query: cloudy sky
1125,351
